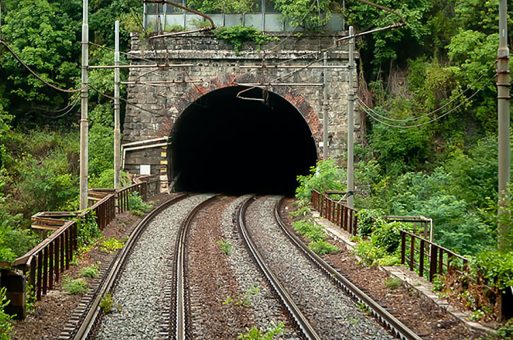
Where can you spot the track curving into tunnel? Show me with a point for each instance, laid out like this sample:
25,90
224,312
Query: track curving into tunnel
221,143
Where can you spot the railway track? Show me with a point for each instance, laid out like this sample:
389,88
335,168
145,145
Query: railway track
175,321
382,315
91,317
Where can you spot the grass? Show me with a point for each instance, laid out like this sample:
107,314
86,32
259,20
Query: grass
90,272
75,287
322,247
255,333
112,244
393,283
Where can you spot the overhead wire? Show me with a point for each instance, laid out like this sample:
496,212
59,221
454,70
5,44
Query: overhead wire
15,55
452,100
374,115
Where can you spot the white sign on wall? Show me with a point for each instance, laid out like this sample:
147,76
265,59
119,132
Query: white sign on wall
145,169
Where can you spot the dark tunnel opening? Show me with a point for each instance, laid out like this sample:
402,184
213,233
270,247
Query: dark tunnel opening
229,145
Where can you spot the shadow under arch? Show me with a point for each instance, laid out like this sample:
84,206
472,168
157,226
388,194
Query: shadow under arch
221,143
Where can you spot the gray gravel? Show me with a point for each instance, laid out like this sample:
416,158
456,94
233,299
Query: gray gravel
139,293
330,311
265,308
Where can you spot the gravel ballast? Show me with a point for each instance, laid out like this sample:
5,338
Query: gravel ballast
140,291
332,313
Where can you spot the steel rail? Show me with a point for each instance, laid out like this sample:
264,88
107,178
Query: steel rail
179,284
87,325
381,314
298,317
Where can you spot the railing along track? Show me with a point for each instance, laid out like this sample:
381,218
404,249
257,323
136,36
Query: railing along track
91,317
381,314
299,318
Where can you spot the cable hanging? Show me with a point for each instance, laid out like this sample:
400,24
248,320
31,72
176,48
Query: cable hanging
33,72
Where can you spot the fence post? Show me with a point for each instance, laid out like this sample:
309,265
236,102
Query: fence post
432,261
412,251
403,247
421,258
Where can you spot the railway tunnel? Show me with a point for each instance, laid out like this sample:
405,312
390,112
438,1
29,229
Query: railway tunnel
236,143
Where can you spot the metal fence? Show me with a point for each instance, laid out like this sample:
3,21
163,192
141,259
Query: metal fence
419,254
336,212
427,258
43,265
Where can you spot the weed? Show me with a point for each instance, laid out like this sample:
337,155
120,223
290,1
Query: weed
136,204
301,212
107,304
393,283
438,283
255,333
323,248
225,246
90,271
112,244
309,230
5,319
228,301
363,308
75,287
477,315
248,294
506,331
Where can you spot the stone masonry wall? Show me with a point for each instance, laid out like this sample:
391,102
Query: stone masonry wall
213,65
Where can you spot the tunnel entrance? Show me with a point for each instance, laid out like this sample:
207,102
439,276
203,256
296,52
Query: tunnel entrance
230,145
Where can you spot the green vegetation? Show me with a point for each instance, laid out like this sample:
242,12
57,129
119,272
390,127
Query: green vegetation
325,176
90,271
225,247
245,301
88,230
5,319
255,333
136,204
393,283
107,304
111,244
316,237
238,35
75,286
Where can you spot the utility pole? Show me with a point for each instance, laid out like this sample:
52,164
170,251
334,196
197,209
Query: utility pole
84,94
350,122
325,150
117,109
503,92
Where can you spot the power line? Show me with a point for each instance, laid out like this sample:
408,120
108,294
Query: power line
376,116
411,119
33,72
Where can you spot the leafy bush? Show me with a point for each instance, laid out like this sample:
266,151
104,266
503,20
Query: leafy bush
88,230
495,268
238,35
388,236
309,230
326,175
5,319
369,253
75,287
368,220
136,204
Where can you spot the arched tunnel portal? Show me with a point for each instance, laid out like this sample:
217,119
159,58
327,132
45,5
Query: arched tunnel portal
228,144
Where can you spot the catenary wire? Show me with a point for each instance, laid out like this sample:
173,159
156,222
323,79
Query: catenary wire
33,72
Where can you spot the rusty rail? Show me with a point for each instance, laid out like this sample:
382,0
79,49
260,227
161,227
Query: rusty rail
427,258
44,264
336,212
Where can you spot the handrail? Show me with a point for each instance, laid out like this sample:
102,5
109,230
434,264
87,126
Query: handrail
429,255
44,263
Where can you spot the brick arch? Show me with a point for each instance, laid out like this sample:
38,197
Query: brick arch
197,91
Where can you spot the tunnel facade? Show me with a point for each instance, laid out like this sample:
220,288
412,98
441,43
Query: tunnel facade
239,140
185,123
